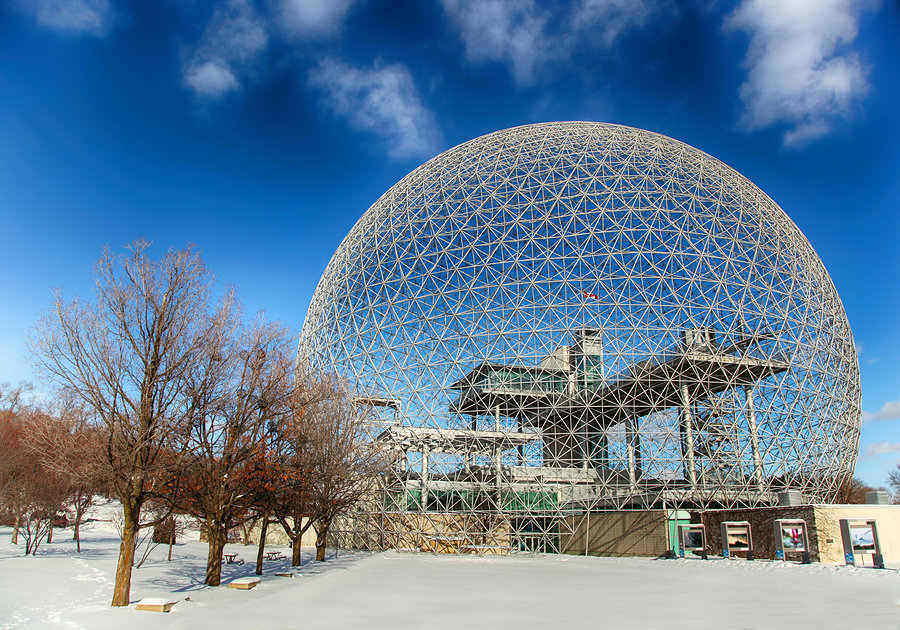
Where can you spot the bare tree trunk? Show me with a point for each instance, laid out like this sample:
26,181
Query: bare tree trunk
246,526
171,542
321,534
217,536
76,528
50,534
122,589
15,533
263,530
296,551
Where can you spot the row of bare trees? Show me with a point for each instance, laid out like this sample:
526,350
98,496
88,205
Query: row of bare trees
47,467
186,407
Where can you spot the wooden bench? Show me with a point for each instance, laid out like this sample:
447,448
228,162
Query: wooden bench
244,584
274,555
155,605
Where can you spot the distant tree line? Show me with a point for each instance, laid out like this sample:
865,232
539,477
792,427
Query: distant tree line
171,401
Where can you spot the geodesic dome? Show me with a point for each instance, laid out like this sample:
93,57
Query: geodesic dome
589,316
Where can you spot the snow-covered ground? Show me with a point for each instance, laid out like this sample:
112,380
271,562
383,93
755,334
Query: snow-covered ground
62,589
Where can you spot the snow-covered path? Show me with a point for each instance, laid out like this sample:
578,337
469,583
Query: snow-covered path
62,589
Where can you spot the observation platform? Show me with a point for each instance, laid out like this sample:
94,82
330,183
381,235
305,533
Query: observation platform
455,441
529,393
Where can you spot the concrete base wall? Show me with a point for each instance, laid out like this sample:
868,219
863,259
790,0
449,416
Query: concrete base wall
275,535
425,531
762,528
640,533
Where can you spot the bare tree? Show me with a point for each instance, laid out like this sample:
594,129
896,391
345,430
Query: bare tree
296,456
13,407
67,443
38,491
126,355
854,491
13,397
893,482
242,392
12,467
346,463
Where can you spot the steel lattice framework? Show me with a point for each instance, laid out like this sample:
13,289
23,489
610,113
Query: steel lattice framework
566,317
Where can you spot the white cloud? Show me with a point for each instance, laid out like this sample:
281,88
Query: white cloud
381,100
314,17
210,78
513,32
889,411
882,448
526,36
93,17
231,41
802,70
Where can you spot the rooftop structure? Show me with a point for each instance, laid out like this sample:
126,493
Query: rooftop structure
568,317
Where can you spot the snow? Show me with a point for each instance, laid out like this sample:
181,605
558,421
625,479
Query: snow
62,589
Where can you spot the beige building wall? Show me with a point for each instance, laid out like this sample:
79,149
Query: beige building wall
887,521
275,535
640,533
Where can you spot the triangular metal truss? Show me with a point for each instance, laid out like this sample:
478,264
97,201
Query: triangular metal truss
568,317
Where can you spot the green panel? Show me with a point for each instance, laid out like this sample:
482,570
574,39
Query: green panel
528,501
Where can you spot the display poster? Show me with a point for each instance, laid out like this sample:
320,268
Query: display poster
862,538
792,538
693,539
738,537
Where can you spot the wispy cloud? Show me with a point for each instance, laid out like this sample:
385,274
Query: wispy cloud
313,17
235,35
608,19
527,36
889,411
382,100
92,17
802,69
882,448
513,32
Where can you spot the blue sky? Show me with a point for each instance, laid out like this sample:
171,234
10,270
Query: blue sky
260,131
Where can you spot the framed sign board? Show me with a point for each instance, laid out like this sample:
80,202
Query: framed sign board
736,538
860,538
692,538
791,537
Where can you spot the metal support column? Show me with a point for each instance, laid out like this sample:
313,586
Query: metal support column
631,446
687,437
498,463
521,448
425,451
754,437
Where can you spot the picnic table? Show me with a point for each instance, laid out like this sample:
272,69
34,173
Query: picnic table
274,555
230,558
